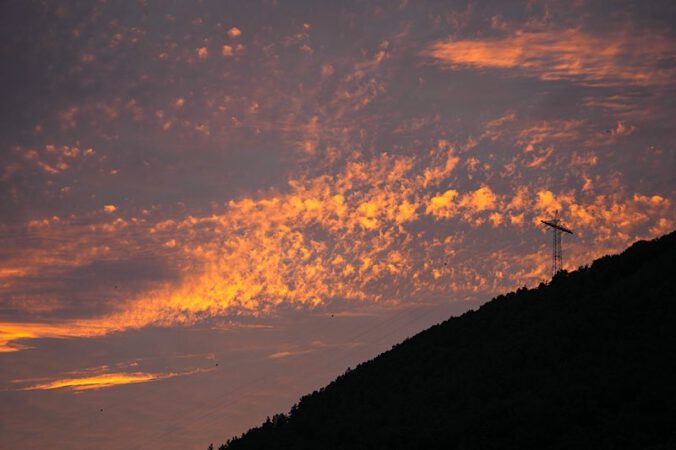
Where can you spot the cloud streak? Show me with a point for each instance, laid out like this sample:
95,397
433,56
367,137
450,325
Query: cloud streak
621,58
105,380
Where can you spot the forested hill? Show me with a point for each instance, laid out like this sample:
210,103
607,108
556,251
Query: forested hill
587,361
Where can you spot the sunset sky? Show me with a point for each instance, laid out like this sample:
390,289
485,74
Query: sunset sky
210,208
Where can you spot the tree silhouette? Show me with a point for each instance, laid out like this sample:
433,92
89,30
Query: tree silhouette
585,361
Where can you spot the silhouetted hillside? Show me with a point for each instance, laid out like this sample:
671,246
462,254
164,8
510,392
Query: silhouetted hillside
585,362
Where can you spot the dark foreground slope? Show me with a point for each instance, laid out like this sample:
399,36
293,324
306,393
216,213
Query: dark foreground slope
585,362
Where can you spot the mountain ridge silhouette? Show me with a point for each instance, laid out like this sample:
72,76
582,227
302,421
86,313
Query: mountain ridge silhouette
587,360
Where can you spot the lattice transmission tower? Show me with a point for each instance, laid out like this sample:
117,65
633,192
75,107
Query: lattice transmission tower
557,230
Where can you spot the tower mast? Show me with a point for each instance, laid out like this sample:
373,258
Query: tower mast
557,230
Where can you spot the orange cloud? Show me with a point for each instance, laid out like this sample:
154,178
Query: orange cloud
540,158
480,200
286,354
547,202
442,205
563,54
105,380
12,332
547,132
345,236
623,129
227,50
95,382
